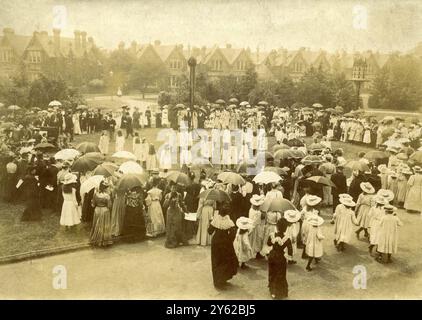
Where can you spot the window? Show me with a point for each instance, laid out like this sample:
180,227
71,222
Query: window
175,64
217,64
297,67
34,56
5,55
241,65
174,82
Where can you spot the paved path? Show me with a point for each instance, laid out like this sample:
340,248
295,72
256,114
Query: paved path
148,270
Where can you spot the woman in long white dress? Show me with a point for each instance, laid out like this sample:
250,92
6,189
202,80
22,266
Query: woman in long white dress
120,141
205,214
70,215
155,224
413,201
165,157
76,124
104,143
256,236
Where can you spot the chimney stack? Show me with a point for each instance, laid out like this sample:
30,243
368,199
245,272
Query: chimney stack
56,40
77,34
83,40
157,43
8,32
228,46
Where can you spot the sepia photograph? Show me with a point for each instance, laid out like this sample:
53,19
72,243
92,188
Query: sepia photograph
210,150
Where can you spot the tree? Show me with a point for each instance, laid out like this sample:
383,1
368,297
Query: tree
398,85
248,83
345,93
316,86
145,74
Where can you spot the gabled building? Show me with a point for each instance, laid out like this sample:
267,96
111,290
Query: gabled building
42,53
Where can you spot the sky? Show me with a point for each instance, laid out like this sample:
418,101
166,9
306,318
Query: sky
378,25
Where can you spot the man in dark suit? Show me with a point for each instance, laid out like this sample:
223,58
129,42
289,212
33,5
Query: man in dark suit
69,125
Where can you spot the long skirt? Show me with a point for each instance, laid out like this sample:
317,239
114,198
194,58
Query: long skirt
203,238
101,227
224,262
32,211
118,215
70,214
277,282
156,224
134,222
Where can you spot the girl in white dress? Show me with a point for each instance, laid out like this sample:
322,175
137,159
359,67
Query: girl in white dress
104,142
70,215
76,124
165,117
151,160
120,141
241,244
137,148
388,234
344,218
314,248
165,157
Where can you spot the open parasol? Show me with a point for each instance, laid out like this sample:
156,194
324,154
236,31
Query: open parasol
231,177
130,181
131,167
124,155
55,103
179,178
322,180
215,195
277,204
105,169
67,154
86,147
266,177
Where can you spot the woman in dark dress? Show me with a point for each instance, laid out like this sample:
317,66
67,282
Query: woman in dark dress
277,282
134,223
174,223
224,262
31,191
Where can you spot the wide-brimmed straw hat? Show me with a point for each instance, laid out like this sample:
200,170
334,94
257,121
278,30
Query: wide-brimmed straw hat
244,223
292,215
417,169
257,200
367,187
315,221
70,178
348,202
389,208
380,200
382,168
345,195
313,200
388,195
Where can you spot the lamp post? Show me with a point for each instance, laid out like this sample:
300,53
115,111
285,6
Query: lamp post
192,65
358,76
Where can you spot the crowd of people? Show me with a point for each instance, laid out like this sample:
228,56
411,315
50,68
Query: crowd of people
218,201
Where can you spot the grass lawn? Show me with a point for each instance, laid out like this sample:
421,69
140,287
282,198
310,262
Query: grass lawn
21,237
